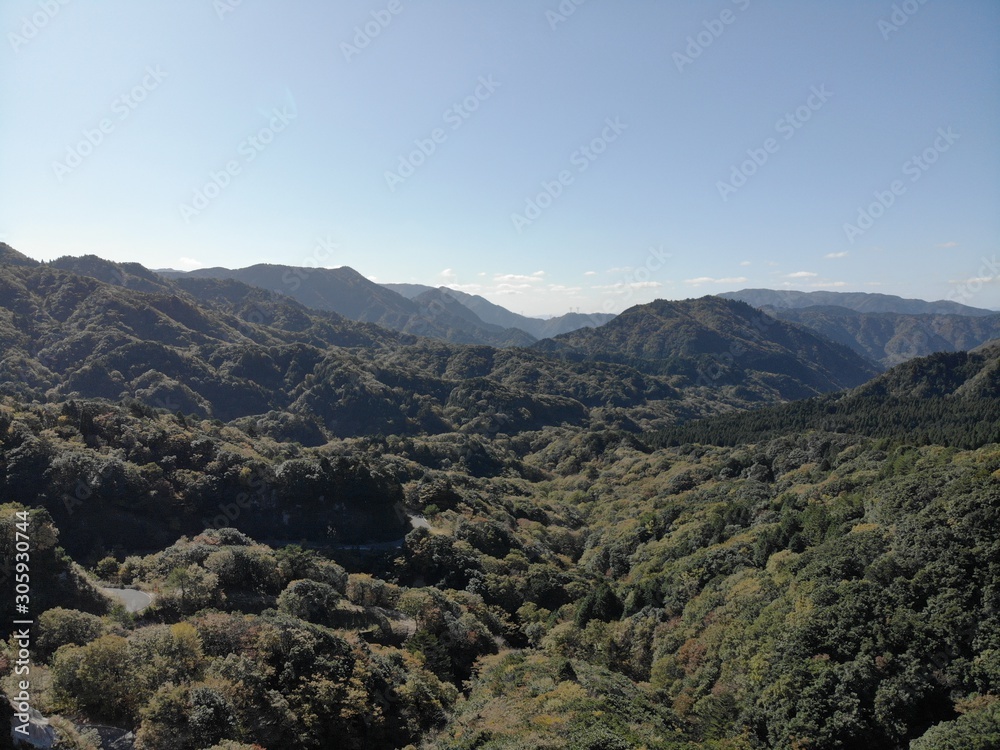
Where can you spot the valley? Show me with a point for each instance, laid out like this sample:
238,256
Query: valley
696,525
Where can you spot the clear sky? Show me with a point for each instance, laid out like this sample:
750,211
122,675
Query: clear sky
589,154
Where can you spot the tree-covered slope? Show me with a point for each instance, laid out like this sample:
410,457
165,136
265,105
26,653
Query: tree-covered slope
219,348
891,338
494,314
716,342
866,302
819,590
348,293
944,399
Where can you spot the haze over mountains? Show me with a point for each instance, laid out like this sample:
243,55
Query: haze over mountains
859,301
497,315
426,311
225,349
743,356
616,516
883,328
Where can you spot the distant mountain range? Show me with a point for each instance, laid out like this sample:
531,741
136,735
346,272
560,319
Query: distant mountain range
719,342
859,301
315,353
439,313
948,398
223,349
501,316
885,329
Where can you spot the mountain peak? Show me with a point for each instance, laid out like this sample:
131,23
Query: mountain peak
718,342
11,257
860,301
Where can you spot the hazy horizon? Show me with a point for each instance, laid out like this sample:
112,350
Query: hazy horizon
548,157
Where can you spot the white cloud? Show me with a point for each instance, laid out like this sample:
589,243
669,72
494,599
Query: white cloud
746,263
977,280
709,280
828,284
948,245
190,264
622,288
590,273
801,275
470,288
831,256
510,277
448,275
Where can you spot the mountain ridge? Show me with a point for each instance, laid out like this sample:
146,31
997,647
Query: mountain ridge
859,301
498,315
714,340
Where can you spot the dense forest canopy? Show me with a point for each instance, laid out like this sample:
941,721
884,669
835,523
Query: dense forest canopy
358,538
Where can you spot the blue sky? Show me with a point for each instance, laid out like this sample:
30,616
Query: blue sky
548,156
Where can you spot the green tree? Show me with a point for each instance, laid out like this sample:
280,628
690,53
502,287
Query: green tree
192,588
60,627
99,679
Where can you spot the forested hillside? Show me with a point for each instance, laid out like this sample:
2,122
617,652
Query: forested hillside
944,399
501,316
224,350
890,338
348,293
816,590
866,302
720,342
363,539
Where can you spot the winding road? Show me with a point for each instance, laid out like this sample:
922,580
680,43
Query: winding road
134,601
